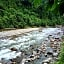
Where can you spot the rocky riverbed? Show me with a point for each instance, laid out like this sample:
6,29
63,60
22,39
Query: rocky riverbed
40,46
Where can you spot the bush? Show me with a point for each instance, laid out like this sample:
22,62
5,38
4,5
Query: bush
14,14
61,56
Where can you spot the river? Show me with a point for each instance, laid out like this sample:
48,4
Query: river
23,42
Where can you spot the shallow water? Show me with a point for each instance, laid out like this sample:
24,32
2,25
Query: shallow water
23,42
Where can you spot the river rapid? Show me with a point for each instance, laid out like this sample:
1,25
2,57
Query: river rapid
23,43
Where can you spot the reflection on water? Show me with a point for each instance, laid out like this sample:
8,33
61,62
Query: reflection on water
24,41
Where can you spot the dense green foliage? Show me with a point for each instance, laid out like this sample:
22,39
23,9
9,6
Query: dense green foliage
61,56
24,13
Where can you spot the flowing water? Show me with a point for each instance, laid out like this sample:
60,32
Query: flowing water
24,41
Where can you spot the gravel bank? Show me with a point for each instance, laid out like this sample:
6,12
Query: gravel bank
15,32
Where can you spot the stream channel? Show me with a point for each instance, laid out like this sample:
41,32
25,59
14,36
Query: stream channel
25,41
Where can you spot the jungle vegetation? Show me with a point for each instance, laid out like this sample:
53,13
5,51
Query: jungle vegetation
30,13
61,55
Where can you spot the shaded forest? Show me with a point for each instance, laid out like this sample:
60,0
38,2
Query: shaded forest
30,13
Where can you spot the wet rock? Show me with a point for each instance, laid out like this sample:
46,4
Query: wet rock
54,50
31,47
50,53
29,60
23,61
45,54
31,56
45,63
9,62
43,48
47,60
50,35
52,40
3,61
13,63
58,39
13,49
18,59
55,54
52,44
40,29
36,52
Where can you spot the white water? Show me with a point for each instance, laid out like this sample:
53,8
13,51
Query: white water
24,41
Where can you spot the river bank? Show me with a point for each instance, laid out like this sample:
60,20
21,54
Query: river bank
15,32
